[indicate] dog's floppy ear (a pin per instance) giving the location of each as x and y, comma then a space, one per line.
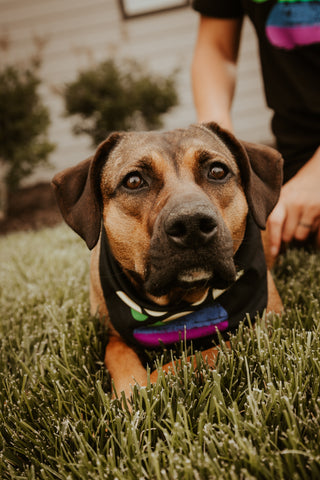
264, 180
78, 193
261, 173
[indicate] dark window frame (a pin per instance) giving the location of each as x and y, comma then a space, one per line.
156, 8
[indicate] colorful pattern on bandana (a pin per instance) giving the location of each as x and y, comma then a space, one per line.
293, 23
184, 325
199, 324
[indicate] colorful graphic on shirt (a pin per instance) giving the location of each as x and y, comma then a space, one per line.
293, 23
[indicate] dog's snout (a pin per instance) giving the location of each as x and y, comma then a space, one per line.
190, 229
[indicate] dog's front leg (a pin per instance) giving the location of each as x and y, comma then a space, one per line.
209, 356
124, 366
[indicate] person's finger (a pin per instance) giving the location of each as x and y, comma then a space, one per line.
290, 224
275, 227
303, 229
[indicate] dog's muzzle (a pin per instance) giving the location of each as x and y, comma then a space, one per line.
191, 245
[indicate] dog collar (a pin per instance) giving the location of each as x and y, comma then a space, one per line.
144, 323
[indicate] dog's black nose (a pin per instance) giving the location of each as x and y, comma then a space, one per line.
190, 229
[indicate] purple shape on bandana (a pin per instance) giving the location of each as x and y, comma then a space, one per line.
153, 338
198, 324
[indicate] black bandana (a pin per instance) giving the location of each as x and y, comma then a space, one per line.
142, 322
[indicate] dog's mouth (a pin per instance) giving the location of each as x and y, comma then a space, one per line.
192, 279
215, 272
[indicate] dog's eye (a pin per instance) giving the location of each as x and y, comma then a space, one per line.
133, 181
218, 171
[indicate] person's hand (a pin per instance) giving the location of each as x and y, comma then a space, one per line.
297, 213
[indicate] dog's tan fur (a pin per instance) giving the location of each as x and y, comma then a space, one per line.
129, 224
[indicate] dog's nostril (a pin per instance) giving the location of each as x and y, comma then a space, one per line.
207, 225
177, 229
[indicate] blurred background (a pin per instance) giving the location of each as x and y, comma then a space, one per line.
61, 39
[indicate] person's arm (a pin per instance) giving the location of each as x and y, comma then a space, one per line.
214, 69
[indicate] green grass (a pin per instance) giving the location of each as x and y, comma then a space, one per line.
256, 416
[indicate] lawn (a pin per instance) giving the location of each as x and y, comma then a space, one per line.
256, 416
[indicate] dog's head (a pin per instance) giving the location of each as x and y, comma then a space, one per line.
174, 204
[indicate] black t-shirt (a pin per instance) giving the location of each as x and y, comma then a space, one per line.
289, 42
141, 322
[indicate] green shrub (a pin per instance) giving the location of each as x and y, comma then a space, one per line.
109, 97
24, 122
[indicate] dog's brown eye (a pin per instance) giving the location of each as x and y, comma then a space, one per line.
218, 171
133, 181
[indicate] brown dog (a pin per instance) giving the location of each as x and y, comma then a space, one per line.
174, 222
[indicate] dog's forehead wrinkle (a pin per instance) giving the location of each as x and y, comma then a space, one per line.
215, 146
201, 152
157, 157
145, 142
208, 137
171, 144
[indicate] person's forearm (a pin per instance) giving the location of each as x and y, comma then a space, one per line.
213, 81
214, 72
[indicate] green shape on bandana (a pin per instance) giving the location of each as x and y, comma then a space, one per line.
140, 317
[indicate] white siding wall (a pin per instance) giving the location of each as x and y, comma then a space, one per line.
78, 34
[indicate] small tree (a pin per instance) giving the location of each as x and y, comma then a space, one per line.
109, 97
24, 122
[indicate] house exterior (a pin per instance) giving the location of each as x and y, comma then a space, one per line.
75, 35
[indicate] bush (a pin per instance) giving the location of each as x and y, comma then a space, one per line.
24, 122
109, 97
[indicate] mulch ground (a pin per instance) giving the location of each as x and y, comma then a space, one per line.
31, 208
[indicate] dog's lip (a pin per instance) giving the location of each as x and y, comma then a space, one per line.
194, 275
